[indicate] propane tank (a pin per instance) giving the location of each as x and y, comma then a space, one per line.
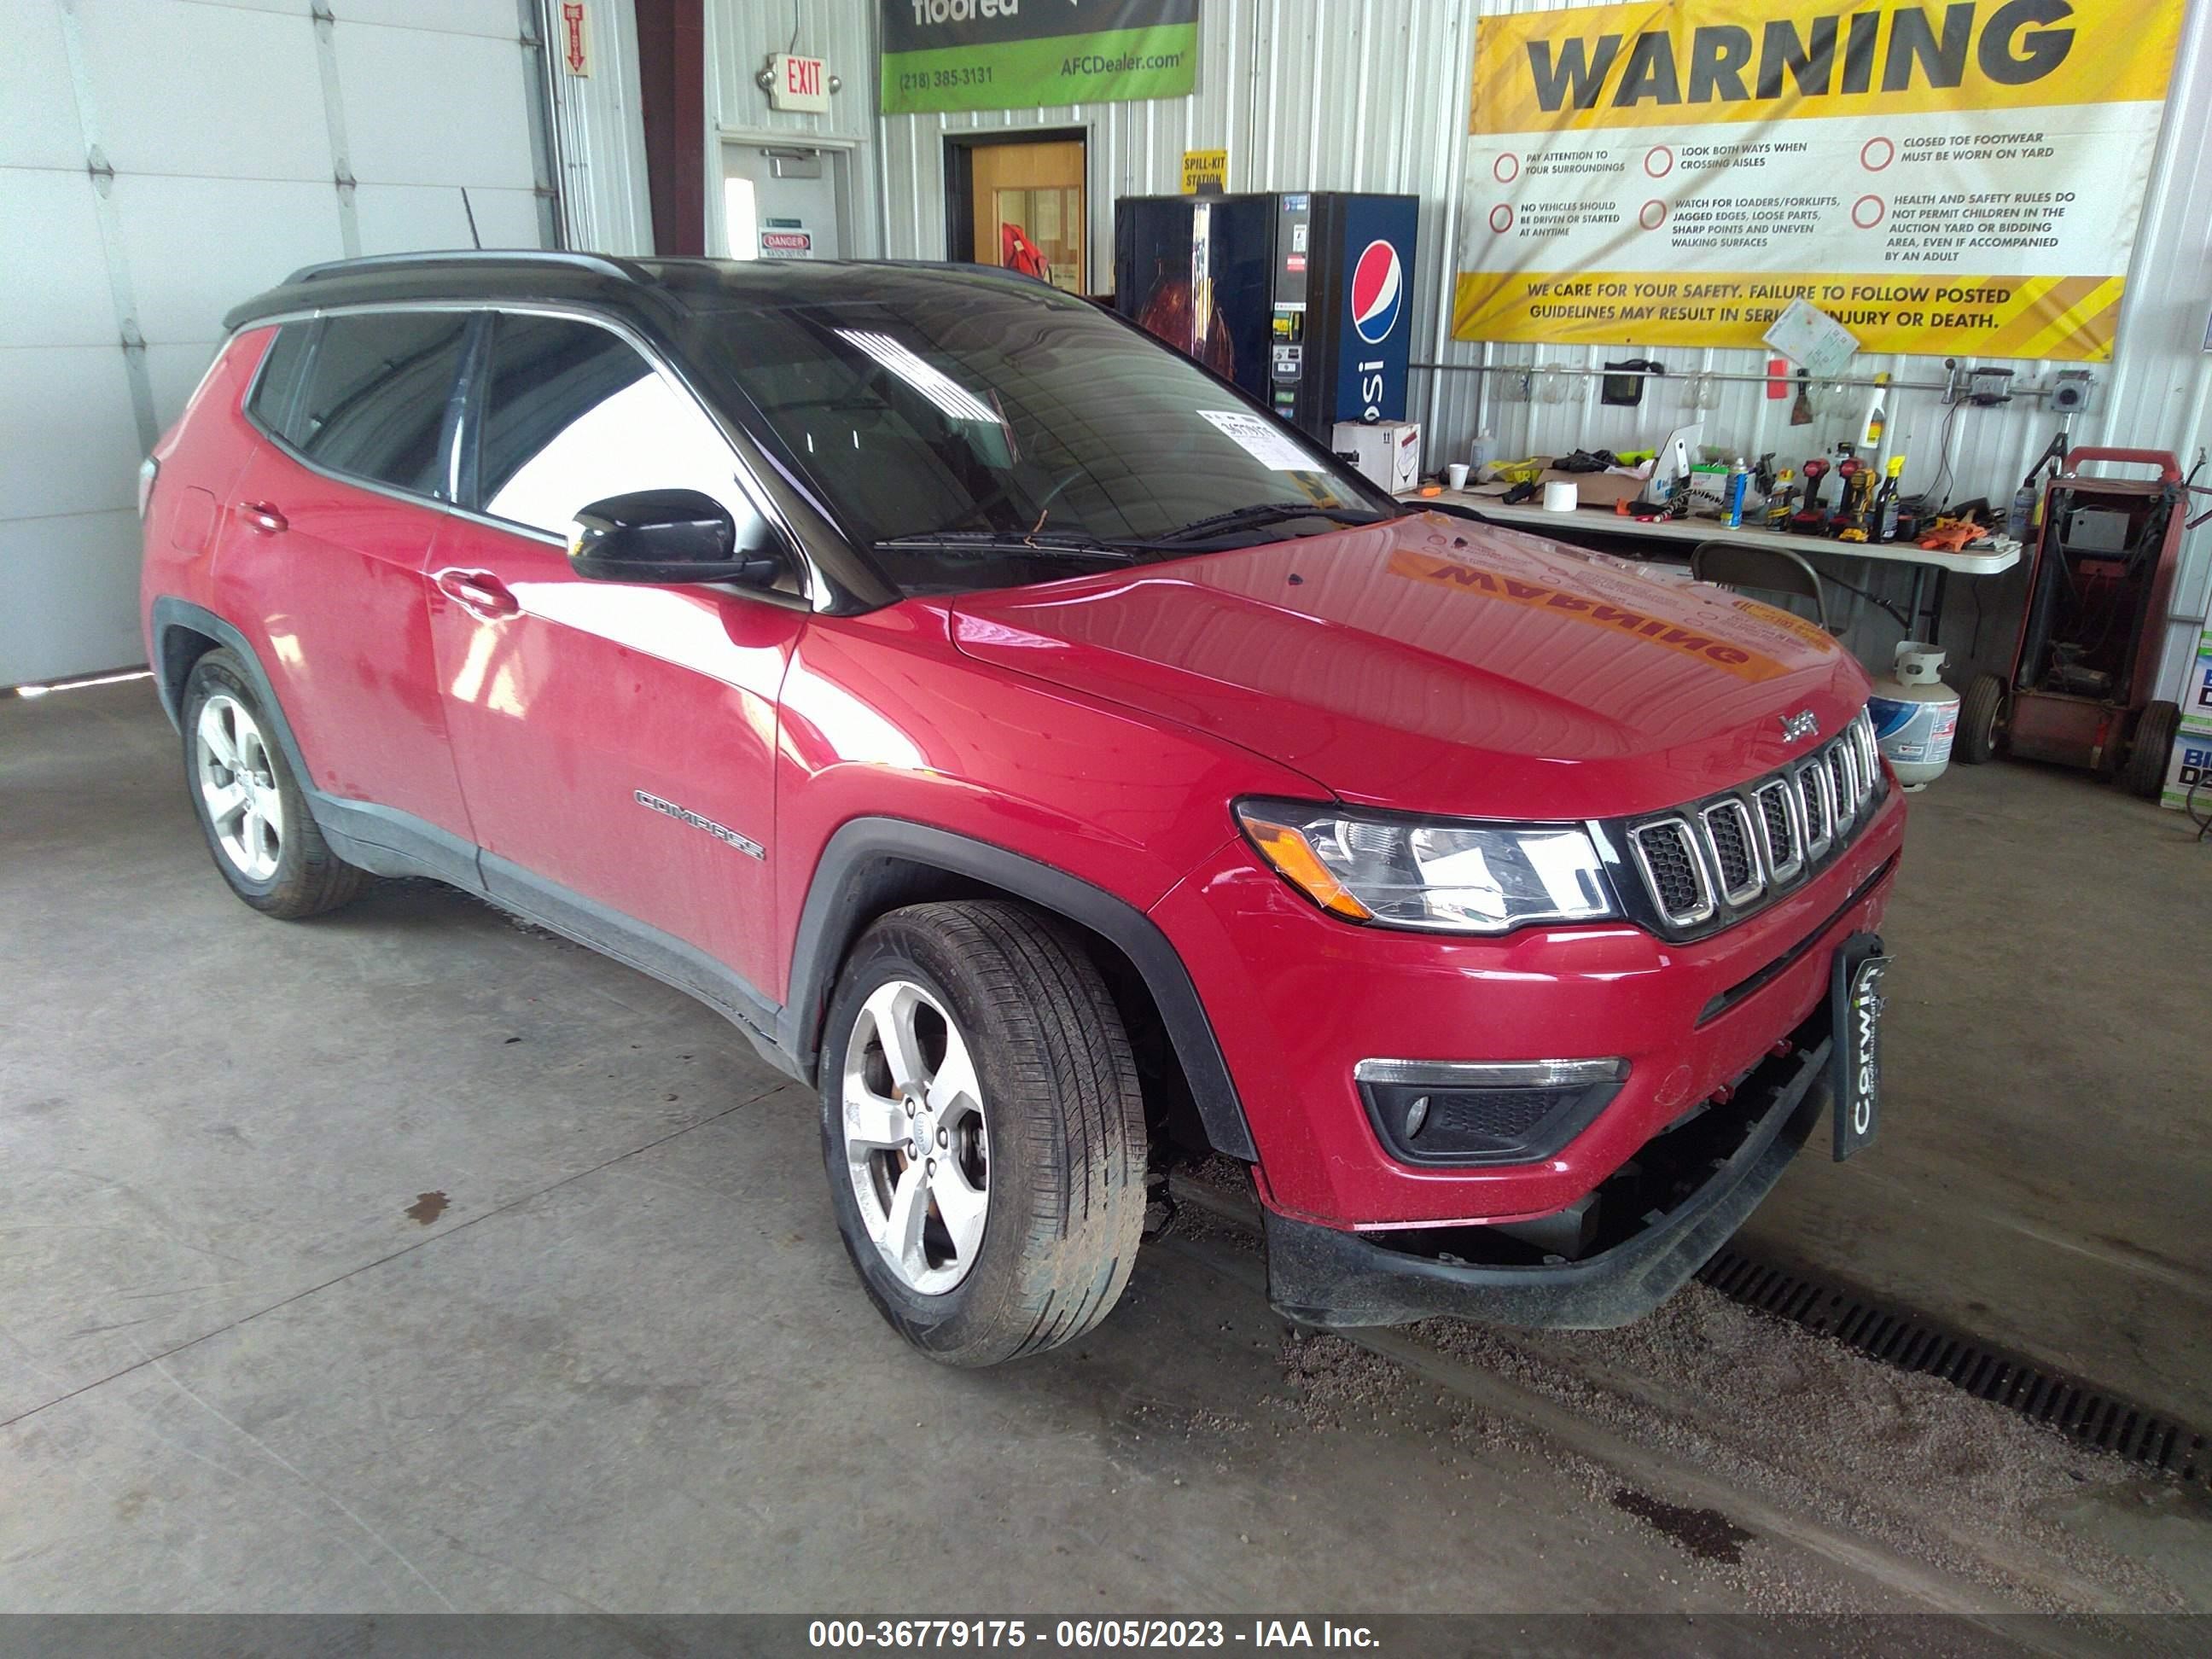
1915, 715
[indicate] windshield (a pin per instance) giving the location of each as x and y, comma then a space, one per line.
984, 435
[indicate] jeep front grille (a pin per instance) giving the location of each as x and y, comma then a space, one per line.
1718, 859
1674, 868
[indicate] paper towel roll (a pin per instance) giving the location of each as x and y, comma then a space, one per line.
1559, 495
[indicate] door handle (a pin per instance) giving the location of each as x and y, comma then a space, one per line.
479, 592
265, 518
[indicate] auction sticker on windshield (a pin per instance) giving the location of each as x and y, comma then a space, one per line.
1261, 438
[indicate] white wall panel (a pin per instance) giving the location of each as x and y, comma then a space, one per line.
492, 18
397, 216
182, 88
178, 160
166, 223
40, 131
424, 107
56, 281
67, 444
72, 593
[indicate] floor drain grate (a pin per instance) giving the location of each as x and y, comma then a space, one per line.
1912, 1343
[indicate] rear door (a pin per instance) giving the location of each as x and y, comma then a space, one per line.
616, 743
328, 530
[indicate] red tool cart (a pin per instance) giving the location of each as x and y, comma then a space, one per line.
2085, 666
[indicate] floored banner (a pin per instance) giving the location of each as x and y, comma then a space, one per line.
1028, 54
1946, 178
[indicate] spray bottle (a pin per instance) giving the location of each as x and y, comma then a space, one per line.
1876, 422
1885, 502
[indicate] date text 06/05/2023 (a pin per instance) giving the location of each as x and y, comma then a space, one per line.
1086, 1635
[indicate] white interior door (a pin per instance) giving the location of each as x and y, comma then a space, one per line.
782, 203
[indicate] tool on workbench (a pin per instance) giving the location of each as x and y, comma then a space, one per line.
1848, 520
1886, 512
1812, 519
1781, 499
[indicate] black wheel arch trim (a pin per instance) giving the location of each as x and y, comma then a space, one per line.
837, 907
172, 615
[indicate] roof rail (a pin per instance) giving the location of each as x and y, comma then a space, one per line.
462, 255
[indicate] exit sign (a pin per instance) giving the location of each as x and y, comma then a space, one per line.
798, 83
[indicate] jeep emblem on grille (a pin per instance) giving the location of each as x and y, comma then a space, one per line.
1802, 724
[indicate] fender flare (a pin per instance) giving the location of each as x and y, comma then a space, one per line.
838, 898
170, 614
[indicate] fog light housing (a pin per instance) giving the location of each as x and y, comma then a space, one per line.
1477, 1112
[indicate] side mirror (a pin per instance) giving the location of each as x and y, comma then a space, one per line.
669, 536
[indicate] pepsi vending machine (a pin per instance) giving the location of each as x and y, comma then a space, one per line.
1304, 298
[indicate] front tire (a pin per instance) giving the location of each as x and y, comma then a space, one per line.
983, 1130
1981, 713
2144, 775
251, 808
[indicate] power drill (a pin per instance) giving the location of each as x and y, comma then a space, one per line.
1810, 518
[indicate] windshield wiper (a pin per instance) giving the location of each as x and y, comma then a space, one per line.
1262, 513
1051, 544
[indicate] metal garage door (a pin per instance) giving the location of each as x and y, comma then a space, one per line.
160, 159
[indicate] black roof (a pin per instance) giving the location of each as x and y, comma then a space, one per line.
686, 285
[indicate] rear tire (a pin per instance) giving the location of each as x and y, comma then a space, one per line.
251, 808
1981, 711
983, 1130
2144, 775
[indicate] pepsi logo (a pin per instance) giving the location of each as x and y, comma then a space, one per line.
1378, 292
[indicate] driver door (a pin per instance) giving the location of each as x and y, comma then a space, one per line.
616, 742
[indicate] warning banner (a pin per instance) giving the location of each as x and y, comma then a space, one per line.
1942, 179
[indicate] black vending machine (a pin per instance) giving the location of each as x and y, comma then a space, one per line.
1304, 298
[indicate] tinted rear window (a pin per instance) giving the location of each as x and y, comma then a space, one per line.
376, 398
275, 401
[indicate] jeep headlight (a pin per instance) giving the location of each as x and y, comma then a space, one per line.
1444, 875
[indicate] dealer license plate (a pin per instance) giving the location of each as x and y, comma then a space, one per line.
1859, 969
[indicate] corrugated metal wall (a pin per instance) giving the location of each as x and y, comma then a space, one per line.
599, 132
1372, 94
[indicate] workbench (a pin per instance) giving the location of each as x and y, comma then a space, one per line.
1616, 532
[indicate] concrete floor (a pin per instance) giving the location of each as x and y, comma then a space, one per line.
2041, 1179
409, 1260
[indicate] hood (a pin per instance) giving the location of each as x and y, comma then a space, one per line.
1438, 664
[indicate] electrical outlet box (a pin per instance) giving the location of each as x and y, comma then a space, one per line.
1989, 385
2069, 391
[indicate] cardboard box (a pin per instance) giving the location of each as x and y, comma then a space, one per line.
2196, 696
1387, 453
2191, 765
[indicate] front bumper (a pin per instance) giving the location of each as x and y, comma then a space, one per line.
1326, 1276
1297, 999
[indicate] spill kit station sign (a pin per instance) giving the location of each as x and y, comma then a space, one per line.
1944, 178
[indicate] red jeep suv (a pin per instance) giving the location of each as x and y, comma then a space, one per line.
1027, 741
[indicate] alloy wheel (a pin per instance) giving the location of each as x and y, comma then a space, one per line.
237, 781
916, 1145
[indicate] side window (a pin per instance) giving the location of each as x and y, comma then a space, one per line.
573, 414
378, 388
275, 401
